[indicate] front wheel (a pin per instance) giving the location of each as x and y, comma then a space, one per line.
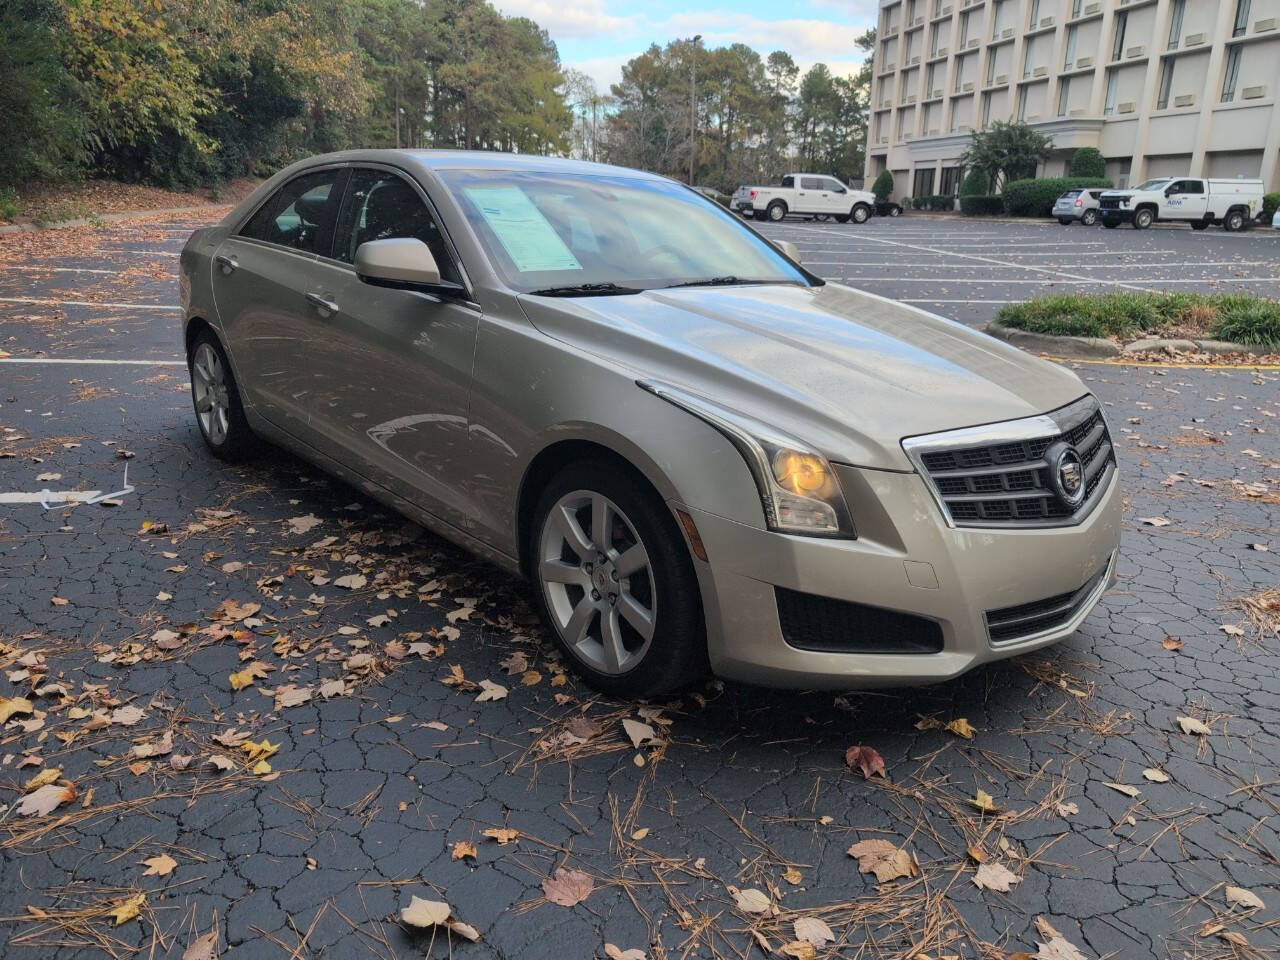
861, 213
1234, 222
1089, 218
616, 583
1143, 219
219, 409
1111, 224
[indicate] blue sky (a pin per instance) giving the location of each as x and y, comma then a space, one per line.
598, 36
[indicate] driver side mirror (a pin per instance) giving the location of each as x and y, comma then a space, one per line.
404, 262
788, 249
1171, 191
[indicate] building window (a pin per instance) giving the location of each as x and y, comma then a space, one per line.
1166, 83
1035, 13
1113, 86
1122, 23
1175, 23
929, 73
991, 68
950, 181
1064, 96
1233, 73
1071, 47
1027, 53
986, 110
937, 35
964, 28
1242, 18
923, 185
1022, 103
1075, 8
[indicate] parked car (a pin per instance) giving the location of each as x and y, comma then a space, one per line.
887, 208
805, 194
703, 455
1275, 220
711, 193
1078, 206
1232, 203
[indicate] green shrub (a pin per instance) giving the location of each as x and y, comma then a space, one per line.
981, 206
907, 203
1035, 198
1088, 162
976, 183
1238, 318
920, 203
883, 186
1270, 204
942, 201
8, 204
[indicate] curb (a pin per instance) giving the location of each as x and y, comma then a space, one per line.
1096, 347
110, 218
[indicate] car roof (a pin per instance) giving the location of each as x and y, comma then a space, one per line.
438, 160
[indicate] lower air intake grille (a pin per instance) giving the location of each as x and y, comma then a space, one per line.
838, 626
1010, 624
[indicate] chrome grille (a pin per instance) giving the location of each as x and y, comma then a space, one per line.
997, 475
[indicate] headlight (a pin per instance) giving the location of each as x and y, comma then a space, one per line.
798, 489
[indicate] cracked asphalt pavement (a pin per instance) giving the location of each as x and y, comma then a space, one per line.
389, 761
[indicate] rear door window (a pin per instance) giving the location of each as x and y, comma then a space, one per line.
811, 183
302, 214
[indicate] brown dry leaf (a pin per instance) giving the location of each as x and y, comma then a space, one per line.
978, 854
640, 733
291, 696
463, 848
260, 751
42, 802
333, 688
1171, 643
792, 876
1058, 948
491, 691
751, 900
516, 663
567, 887
985, 802
304, 523
58, 601
503, 835
1232, 937
961, 728
1244, 898
1190, 725
866, 759
638, 835
1068, 809
886, 861
581, 729
530, 678
1124, 788
1231, 630
995, 876
127, 910
204, 948
1155, 775
14, 705
814, 931
352, 581
426, 913
798, 950
44, 777
456, 679
616, 953
160, 866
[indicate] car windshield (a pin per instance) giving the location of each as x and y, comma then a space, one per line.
605, 235
1154, 184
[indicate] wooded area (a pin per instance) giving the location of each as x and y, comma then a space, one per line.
186, 92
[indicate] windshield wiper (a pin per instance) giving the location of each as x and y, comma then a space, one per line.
605, 289
729, 281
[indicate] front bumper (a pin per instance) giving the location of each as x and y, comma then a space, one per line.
1117, 216
905, 559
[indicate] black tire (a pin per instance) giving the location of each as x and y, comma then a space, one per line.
1065, 221
1143, 219
235, 442
1110, 224
895, 211
1199, 225
1089, 218
676, 654
1233, 222
776, 211
842, 218
860, 213
758, 214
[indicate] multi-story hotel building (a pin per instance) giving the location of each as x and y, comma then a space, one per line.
1161, 87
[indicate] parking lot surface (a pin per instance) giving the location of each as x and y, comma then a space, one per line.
262, 676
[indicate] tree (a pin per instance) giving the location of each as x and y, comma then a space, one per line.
1007, 151
976, 183
883, 186
1088, 162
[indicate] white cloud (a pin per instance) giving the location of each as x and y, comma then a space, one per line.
568, 18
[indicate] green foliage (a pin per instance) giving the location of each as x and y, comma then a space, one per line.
1253, 321
940, 201
1270, 204
8, 203
977, 205
883, 186
1088, 162
1007, 151
43, 126
1035, 198
976, 183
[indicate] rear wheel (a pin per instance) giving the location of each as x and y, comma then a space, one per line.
860, 213
895, 211
616, 583
1065, 221
1234, 222
842, 218
1143, 219
1110, 224
777, 210
1089, 217
219, 410
1199, 225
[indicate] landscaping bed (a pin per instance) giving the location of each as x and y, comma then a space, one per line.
46, 203
1134, 322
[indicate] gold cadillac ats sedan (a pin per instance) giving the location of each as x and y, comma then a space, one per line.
704, 456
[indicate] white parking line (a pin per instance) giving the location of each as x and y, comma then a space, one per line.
979, 302
35, 301
39, 269
92, 362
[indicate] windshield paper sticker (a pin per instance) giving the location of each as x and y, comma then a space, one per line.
530, 241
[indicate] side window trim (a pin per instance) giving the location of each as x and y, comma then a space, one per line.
422, 195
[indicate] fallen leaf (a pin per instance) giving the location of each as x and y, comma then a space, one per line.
866, 759
567, 887
1170, 643
426, 913
516, 663
1155, 775
14, 705
798, 950
304, 523
463, 848
260, 751
640, 733
884, 859
1068, 809
333, 688
995, 876
961, 728
984, 802
1058, 948
127, 910
1124, 788
1231, 630
616, 953
1190, 725
751, 900
503, 835
1244, 898
204, 948
1155, 521
58, 601
160, 866
43, 778
42, 802
814, 931
127, 716
291, 696
792, 876
352, 581
491, 691
638, 835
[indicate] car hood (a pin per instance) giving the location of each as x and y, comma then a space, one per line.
847, 371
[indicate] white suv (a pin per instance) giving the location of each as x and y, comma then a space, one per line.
1231, 203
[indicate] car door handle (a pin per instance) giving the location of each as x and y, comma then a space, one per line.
326, 306
228, 264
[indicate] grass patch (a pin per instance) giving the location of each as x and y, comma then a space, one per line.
1254, 321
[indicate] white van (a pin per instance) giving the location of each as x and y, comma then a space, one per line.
1232, 203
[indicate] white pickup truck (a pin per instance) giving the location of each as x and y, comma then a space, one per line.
1199, 202
805, 195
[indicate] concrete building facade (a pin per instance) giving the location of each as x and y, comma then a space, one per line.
1161, 87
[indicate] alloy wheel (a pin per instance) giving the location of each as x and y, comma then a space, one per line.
595, 574
212, 398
